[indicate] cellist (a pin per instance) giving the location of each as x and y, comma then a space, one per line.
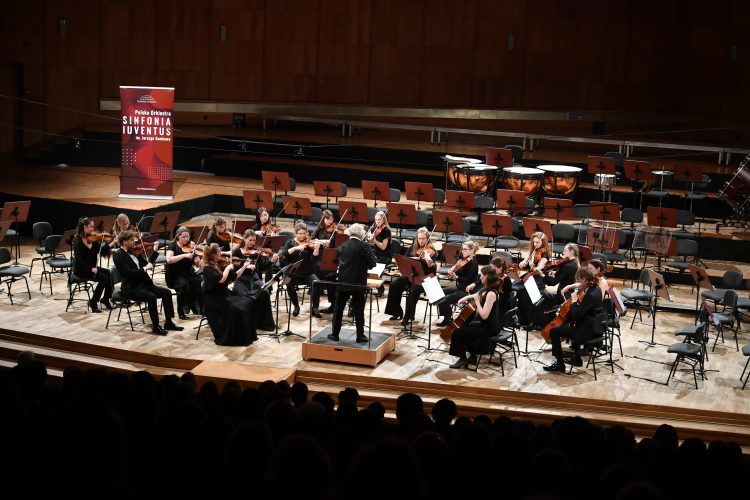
586, 305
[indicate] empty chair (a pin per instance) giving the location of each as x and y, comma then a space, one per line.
582, 212
690, 352
40, 231
395, 195
458, 238
658, 195
11, 274
729, 316
639, 298
633, 216
562, 234
684, 218
746, 353
509, 242
59, 264
277, 200
685, 248
619, 162
729, 281
144, 225
617, 257
516, 150
481, 204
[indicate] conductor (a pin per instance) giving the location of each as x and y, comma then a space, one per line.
355, 258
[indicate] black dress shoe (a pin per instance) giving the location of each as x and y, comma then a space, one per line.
575, 361
404, 322
159, 330
94, 307
295, 313
556, 367
316, 313
328, 310
473, 360
396, 318
447, 321
333, 337
361, 339
182, 316
380, 292
461, 363
106, 303
171, 326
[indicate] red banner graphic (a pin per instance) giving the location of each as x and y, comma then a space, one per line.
146, 163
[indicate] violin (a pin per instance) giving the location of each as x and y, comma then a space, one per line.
427, 250
335, 228
564, 315
226, 260
227, 235
461, 263
269, 229
468, 311
196, 250
141, 247
310, 243
555, 264
94, 237
262, 252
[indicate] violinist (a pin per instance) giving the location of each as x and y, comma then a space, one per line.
229, 314
421, 249
560, 277
249, 284
487, 303
302, 248
501, 268
218, 228
586, 305
326, 229
464, 272
380, 237
180, 273
263, 225
86, 248
539, 254
137, 284
598, 267
122, 222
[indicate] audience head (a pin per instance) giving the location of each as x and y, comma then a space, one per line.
298, 394
444, 411
407, 405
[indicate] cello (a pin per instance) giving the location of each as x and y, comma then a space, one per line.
564, 315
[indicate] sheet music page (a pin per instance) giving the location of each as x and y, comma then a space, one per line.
533, 290
433, 289
378, 269
622, 310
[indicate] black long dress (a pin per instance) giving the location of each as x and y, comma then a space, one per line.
399, 286
182, 278
85, 259
229, 315
465, 338
249, 285
383, 256
224, 246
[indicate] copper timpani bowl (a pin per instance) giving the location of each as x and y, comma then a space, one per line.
525, 179
560, 180
477, 178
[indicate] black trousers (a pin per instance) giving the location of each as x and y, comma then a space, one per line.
452, 295
358, 307
575, 334
396, 289
307, 280
149, 295
103, 289
190, 294
464, 339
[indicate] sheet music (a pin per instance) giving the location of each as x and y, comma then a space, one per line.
533, 290
378, 269
622, 309
433, 289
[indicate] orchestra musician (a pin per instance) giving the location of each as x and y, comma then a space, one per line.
217, 228
501, 268
180, 273
303, 248
355, 258
262, 220
326, 231
539, 254
465, 273
598, 267
86, 255
560, 277
586, 305
229, 315
421, 249
122, 222
137, 284
380, 238
249, 284
487, 304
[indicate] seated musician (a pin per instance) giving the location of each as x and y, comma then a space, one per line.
501, 268
180, 274
301, 248
137, 284
380, 238
487, 304
539, 254
219, 228
122, 222
598, 267
249, 283
586, 305
561, 277
465, 273
263, 225
422, 250
86, 257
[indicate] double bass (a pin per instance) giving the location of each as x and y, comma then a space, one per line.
564, 315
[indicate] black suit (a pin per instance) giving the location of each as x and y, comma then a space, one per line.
355, 258
584, 314
138, 286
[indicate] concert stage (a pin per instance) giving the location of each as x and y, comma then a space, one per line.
347, 350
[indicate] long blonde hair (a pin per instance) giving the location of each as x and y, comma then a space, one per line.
116, 228
545, 243
209, 257
574, 248
415, 248
385, 219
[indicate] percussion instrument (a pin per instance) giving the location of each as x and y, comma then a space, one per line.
604, 180
560, 181
477, 178
451, 162
525, 179
736, 191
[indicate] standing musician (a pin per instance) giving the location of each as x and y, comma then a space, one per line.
263, 225
380, 237
249, 283
218, 228
487, 304
465, 273
304, 249
562, 277
229, 315
421, 249
87, 249
598, 268
180, 273
137, 284
586, 305
539, 254
355, 258
501, 268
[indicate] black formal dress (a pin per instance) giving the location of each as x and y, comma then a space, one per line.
182, 278
305, 274
321, 234
138, 286
229, 315
355, 258
86, 259
523, 296
249, 285
224, 246
583, 328
384, 256
269, 269
401, 284
565, 275
466, 276
465, 338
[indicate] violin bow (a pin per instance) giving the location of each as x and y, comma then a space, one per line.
429, 236
373, 224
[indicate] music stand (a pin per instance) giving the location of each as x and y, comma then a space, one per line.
498, 157
413, 271
459, 200
603, 166
17, 211
420, 191
507, 198
288, 273
278, 181
666, 217
603, 237
298, 205
699, 276
531, 226
355, 210
444, 220
687, 173
66, 242
4, 226
400, 214
374, 190
241, 226
584, 254
340, 239
328, 189
602, 211
499, 225
254, 199
637, 171
659, 289
104, 224
164, 222
563, 208
273, 242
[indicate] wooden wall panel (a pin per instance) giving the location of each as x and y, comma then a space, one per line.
291, 48
396, 52
183, 29
736, 103
344, 51
498, 71
237, 63
22, 32
448, 59
11, 135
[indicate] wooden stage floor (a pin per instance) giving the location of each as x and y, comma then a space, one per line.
45, 315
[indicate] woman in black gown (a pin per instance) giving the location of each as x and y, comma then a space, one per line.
181, 276
249, 284
298, 249
464, 276
264, 227
229, 315
86, 255
380, 237
219, 227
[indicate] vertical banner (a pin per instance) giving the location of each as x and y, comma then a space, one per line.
146, 142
